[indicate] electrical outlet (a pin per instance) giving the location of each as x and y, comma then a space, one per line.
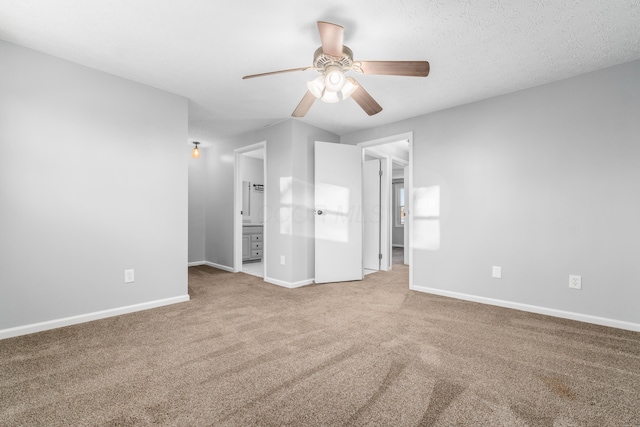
575, 282
496, 272
281, 259
129, 276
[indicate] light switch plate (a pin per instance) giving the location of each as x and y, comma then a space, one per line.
496, 272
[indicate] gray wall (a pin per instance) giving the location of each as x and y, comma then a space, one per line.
279, 195
93, 181
219, 164
197, 197
289, 193
544, 183
218, 202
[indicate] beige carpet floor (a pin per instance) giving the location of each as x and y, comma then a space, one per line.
244, 352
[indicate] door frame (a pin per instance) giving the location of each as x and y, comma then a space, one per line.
408, 187
379, 226
385, 237
387, 217
237, 206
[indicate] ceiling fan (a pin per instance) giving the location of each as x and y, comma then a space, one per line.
332, 60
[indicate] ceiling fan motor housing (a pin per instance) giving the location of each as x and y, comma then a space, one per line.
321, 60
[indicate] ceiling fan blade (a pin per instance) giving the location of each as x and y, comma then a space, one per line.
307, 101
331, 36
396, 68
366, 101
251, 76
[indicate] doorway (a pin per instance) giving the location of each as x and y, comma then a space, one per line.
250, 244
399, 209
374, 208
393, 238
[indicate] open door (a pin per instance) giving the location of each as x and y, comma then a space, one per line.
371, 208
407, 225
338, 212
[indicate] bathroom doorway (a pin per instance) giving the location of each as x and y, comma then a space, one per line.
250, 209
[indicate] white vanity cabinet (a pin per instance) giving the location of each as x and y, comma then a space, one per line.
251, 243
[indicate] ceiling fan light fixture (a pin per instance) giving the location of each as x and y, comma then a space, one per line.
334, 78
349, 87
330, 96
316, 86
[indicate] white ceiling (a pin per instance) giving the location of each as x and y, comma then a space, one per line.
200, 49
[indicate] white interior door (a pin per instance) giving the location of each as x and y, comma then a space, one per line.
338, 212
371, 214
385, 214
407, 197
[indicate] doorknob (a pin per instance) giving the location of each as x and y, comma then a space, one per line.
318, 212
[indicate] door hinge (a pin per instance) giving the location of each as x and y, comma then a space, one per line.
380, 173
379, 256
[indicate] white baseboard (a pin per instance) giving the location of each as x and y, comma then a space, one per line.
212, 264
289, 285
82, 318
613, 323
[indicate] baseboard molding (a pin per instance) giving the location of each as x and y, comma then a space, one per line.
290, 285
603, 321
82, 318
212, 264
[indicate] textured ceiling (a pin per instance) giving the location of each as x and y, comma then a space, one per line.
201, 48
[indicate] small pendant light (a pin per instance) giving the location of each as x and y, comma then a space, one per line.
195, 153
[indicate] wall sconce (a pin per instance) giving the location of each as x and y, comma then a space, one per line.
195, 153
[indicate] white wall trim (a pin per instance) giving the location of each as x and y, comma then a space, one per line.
288, 284
220, 266
88, 317
603, 321
212, 264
